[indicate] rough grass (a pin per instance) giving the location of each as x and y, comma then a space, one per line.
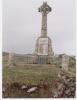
30, 74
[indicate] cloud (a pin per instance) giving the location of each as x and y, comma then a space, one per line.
22, 25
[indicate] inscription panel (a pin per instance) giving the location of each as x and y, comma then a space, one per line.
43, 46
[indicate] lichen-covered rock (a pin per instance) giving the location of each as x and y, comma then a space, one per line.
65, 88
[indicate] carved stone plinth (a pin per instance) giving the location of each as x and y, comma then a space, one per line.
44, 46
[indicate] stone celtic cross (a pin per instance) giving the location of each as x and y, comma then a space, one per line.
44, 9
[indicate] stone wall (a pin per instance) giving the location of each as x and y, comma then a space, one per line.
19, 59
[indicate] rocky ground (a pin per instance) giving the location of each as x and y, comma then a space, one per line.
63, 87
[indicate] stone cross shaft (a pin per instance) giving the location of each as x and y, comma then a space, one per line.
44, 9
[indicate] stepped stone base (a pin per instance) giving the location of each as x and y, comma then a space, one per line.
43, 50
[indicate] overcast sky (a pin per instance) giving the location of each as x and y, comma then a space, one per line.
22, 25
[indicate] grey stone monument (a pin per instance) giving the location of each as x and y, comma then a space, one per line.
44, 44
